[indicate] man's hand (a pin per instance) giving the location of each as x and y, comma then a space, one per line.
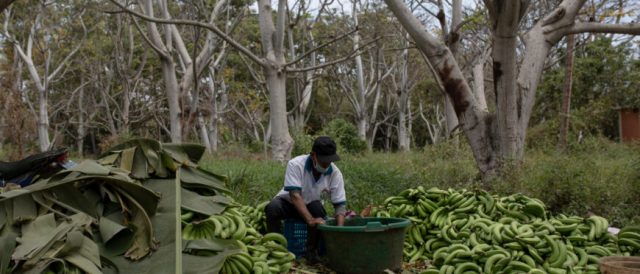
315, 221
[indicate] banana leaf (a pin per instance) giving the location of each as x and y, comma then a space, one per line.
134, 226
201, 204
163, 259
201, 179
193, 264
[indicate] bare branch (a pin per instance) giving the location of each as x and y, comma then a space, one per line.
146, 39
320, 46
337, 61
580, 27
210, 27
73, 52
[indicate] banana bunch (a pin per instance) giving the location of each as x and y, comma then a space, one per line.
467, 231
225, 226
238, 263
270, 255
629, 239
266, 255
254, 216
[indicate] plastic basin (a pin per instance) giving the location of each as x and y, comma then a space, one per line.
365, 245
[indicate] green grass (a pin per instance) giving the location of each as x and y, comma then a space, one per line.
597, 176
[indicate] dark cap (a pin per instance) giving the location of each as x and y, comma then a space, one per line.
325, 149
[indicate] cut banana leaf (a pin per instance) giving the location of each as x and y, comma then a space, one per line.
71, 198
126, 158
208, 264
184, 153
24, 209
116, 238
153, 144
90, 167
7, 245
162, 260
200, 178
139, 170
201, 204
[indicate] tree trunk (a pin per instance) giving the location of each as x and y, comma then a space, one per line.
504, 69
363, 119
566, 99
281, 141
475, 122
173, 97
451, 117
272, 38
43, 121
478, 84
204, 133
403, 90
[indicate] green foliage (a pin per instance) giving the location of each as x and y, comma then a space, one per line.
345, 135
302, 145
255, 146
604, 78
596, 176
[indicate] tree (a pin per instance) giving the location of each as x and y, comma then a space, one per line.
273, 62
42, 68
496, 138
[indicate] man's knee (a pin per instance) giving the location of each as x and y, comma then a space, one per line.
273, 209
316, 209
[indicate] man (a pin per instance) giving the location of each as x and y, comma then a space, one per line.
306, 179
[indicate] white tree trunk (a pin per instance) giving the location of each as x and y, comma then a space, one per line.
272, 37
173, 97
478, 84
450, 117
281, 141
363, 119
204, 133
403, 101
43, 121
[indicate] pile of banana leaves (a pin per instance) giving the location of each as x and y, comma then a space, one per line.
118, 214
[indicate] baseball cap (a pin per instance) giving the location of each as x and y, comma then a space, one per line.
325, 149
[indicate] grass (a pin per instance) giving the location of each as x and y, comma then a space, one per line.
595, 177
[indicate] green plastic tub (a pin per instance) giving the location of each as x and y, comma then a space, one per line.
365, 245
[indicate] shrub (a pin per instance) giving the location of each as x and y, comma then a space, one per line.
345, 135
302, 145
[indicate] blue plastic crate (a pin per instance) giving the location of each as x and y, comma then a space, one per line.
295, 231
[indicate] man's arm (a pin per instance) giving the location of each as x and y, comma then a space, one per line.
298, 202
340, 219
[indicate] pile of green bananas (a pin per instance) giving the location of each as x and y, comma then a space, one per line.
460, 231
270, 254
254, 216
629, 239
258, 253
